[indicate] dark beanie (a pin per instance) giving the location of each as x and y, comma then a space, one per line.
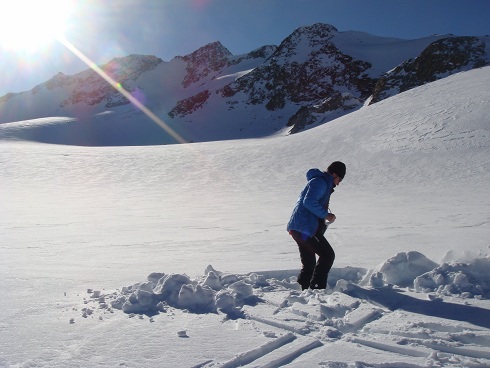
338, 168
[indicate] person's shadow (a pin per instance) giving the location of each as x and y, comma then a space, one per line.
394, 300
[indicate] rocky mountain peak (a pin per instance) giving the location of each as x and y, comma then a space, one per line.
204, 61
58, 81
130, 67
262, 52
320, 30
308, 71
122, 70
208, 52
305, 37
440, 59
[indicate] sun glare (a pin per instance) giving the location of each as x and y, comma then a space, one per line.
28, 25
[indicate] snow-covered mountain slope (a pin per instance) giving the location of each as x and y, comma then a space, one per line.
88, 230
434, 137
155, 83
314, 76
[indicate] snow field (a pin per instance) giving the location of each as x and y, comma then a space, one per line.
409, 286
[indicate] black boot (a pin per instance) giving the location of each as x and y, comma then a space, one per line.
319, 278
304, 279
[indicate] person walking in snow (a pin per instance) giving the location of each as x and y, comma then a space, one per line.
307, 225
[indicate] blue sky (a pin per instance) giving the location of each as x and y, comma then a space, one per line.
103, 29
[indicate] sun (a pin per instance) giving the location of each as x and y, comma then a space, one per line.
29, 25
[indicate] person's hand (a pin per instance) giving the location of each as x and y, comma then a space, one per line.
330, 217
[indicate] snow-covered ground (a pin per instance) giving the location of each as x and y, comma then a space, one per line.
177, 256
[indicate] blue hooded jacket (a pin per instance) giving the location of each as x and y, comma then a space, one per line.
312, 203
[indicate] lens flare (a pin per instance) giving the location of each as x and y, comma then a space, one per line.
26, 26
116, 85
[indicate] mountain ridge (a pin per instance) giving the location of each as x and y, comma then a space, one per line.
315, 75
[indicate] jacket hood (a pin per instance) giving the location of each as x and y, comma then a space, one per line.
313, 173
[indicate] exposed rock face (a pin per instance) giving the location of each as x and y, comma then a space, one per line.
190, 104
337, 104
441, 59
91, 88
208, 63
306, 70
205, 61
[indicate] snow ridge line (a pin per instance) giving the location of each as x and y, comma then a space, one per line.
254, 354
412, 351
360, 322
289, 357
201, 365
279, 325
477, 339
463, 351
389, 347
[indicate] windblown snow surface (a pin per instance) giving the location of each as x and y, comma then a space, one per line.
177, 256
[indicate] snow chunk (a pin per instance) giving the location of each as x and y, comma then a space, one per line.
170, 285
242, 289
400, 270
213, 281
214, 293
465, 279
198, 299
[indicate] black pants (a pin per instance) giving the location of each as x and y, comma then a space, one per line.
314, 273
